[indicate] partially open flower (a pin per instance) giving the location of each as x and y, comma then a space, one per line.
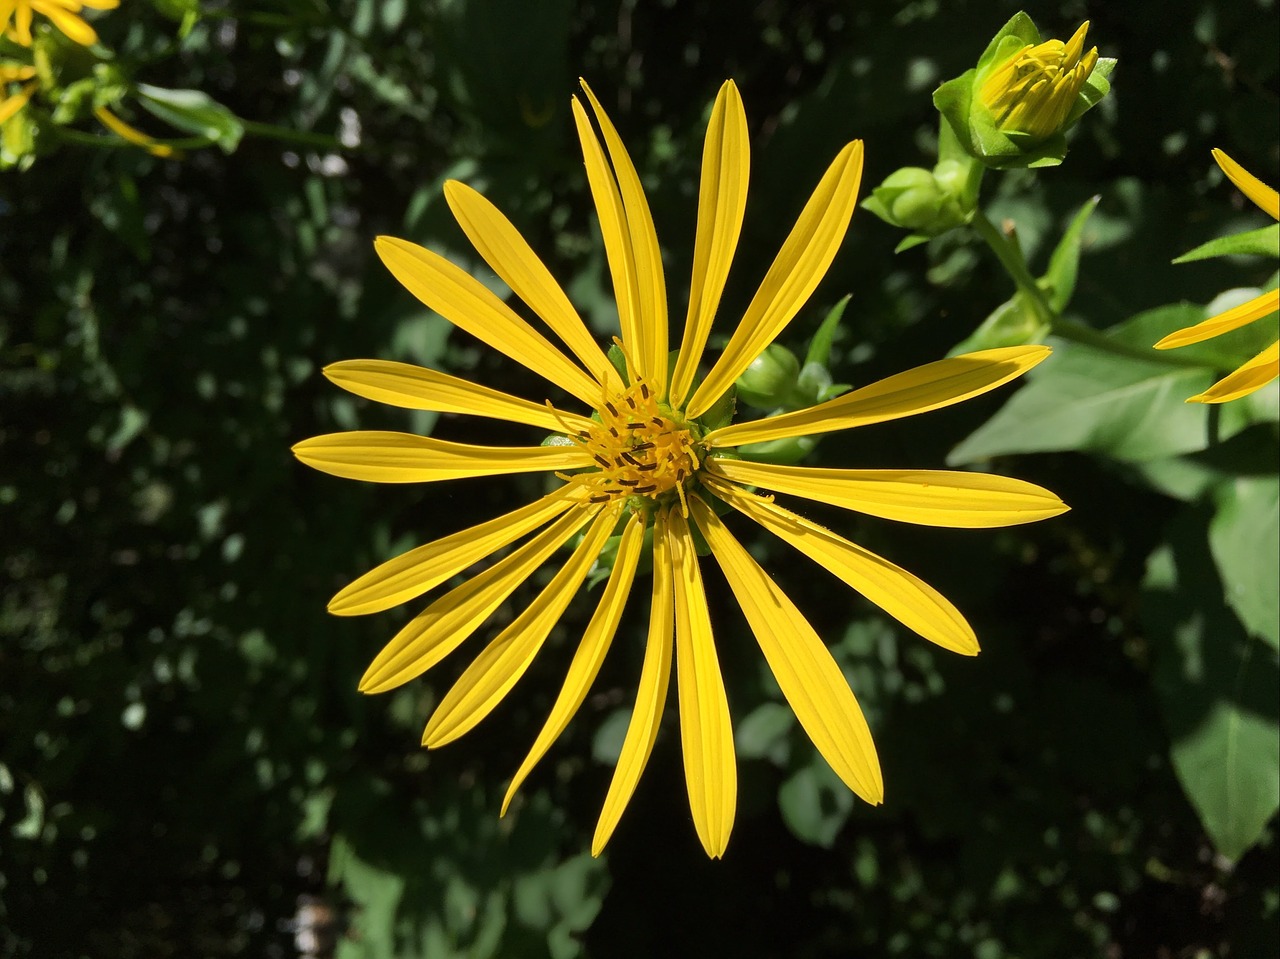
1014, 107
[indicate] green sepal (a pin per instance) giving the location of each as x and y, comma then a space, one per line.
785, 452
557, 439
619, 361
1261, 242
721, 412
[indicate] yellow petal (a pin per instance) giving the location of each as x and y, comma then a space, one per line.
617, 238
722, 198
1232, 319
22, 25
13, 104
807, 674
928, 497
907, 599
706, 734
1263, 196
133, 135
100, 4
591, 651
466, 303
440, 628
651, 287
66, 21
1250, 377
499, 667
795, 272
924, 388
380, 456
418, 388
11, 72
651, 695
411, 574
504, 249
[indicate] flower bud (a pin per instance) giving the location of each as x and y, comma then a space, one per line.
926, 203
1025, 93
770, 380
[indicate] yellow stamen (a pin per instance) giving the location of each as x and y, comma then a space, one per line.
641, 447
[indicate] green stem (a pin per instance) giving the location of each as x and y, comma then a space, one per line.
1010, 255
272, 132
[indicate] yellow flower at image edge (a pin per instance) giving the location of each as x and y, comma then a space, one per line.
647, 456
1265, 367
16, 17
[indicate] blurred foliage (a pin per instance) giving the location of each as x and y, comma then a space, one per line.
184, 761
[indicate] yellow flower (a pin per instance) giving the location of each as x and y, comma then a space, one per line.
647, 456
63, 14
1035, 89
1265, 367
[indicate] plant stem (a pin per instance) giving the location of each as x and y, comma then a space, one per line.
1009, 253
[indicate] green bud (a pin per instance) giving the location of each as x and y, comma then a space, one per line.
770, 380
926, 203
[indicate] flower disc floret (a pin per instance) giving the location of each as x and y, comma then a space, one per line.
642, 448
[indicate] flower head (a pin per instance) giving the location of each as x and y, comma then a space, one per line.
1014, 107
1257, 372
1034, 89
16, 17
654, 451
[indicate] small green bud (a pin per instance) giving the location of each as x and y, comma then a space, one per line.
924, 202
770, 380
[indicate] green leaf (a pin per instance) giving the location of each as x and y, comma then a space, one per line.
1262, 242
1124, 406
1064, 264
762, 734
1013, 323
195, 112
820, 346
1245, 539
376, 893
1217, 690
815, 804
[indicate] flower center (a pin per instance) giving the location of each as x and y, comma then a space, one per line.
643, 447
